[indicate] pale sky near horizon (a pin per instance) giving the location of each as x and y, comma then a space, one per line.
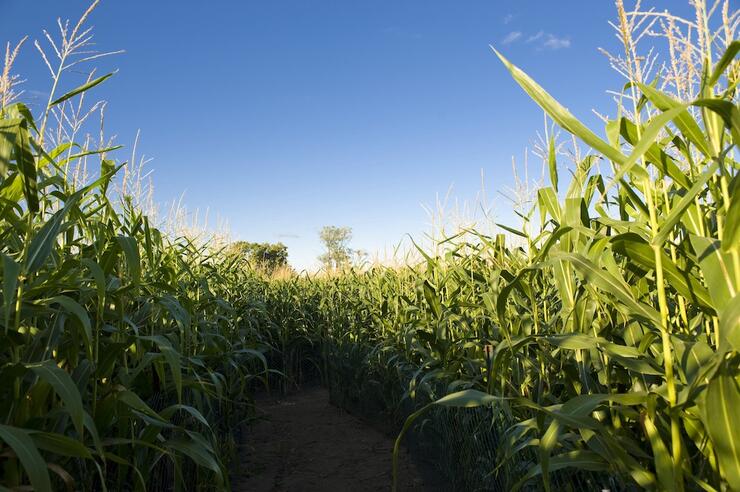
284, 116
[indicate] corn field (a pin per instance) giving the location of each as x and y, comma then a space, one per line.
601, 338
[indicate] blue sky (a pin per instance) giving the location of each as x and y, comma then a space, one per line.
284, 116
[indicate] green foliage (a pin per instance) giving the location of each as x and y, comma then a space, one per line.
613, 334
338, 254
267, 257
126, 357
607, 342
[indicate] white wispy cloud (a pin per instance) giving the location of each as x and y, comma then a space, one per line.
535, 37
511, 37
508, 18
541, 40
555, 43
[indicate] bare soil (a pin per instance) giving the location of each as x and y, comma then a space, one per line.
305, 444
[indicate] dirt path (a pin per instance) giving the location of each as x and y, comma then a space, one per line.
309, 445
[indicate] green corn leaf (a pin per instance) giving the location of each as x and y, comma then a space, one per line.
19, 111
647, 140
178, 313
721, 418
717, 268
655, 154
461, 399
8, 137
684, 121
635, 201
74, 308
670, 221
29, 456
726, 110
583, 460
51, 156
574, 341
199, 455
98, 276
731, 233
108, 164
432, 299
512, 230
612, 285
621, 350
11, 188
131, 251
552, 239
547, 444
575, 214
661, 456
574, 420
515, 283
81, 89
172, 357
43, 242
11, 270
107, 171
256, 354
640, 251
640, 365
467, 399
60, 444
168, 412
727, 57
133, 401
560, 114
612, 130
93, 432
64, 387
27, 167
693, 357
729, 323
548, 202
583, 405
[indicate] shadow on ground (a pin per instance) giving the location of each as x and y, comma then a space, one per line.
305, 444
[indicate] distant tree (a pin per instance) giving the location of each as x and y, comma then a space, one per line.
267, 257
360, 258
336, 240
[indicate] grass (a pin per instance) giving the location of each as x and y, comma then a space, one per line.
603, 334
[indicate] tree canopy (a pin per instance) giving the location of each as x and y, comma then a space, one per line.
267, 257
336, 240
